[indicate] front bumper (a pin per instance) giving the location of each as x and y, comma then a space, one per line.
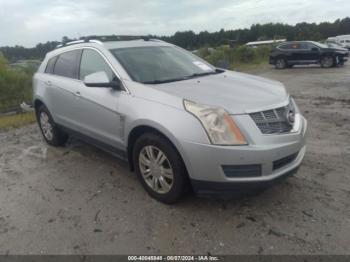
222, 189
205, 163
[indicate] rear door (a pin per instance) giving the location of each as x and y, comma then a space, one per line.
63, 70
96, 108
296, 52
291, 52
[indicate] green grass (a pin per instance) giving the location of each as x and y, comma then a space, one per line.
17, 120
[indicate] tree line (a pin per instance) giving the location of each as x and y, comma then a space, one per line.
191, 40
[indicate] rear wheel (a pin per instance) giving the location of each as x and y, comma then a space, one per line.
280, 63
160, 168
50, 131
327, 61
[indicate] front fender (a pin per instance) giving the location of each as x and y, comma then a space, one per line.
176, 124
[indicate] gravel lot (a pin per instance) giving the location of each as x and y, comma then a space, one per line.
79, 199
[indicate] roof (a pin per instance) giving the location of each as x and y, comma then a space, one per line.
107, 45
134, 43
342, 36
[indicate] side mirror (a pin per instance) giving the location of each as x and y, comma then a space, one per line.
100, 79
314, 49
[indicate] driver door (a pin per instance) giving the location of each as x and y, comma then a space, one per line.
97, 108
310, 52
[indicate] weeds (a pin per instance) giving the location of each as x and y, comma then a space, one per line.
16, 120
233, 58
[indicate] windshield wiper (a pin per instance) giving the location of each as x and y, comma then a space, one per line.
157, 81
217, 71
200, 74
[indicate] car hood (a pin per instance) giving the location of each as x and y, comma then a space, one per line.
238, 93
336, 49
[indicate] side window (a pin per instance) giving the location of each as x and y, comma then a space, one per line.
67, 64
296, 46
306, 46
289, 46
92, 62
50, 65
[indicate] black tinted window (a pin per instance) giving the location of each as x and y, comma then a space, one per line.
92, 62
306, 46
67, 64
290, 46
285, 47
50, 65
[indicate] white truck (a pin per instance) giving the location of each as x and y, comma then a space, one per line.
342, 40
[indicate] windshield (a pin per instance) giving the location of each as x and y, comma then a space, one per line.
160, 64
319, 44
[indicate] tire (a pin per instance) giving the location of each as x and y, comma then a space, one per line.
50, 131
327, 61
167, 182
280, 63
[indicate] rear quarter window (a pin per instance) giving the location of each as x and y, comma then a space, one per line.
50, 65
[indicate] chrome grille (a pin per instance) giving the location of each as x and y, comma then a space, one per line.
274, 121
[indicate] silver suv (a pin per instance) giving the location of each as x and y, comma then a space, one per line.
180, 122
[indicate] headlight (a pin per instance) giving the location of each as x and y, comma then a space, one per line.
218, 124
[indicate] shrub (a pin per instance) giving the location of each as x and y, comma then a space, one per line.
246, 54
234, 56
15, 84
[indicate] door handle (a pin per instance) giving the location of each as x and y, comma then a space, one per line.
48, 83
77, 93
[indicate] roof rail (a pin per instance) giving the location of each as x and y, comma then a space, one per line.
79, 42
108, 38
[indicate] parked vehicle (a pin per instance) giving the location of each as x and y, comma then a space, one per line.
180, 122
336, 46
342, 40
307, 52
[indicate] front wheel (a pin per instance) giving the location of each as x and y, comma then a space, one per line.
327, 61
160, 168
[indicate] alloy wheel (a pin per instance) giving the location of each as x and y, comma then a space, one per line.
327, 61
156, 169
46, 126
280, 63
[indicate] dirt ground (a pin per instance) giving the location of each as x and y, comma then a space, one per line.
79, 199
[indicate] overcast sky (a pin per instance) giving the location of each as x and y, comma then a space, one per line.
28, 22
